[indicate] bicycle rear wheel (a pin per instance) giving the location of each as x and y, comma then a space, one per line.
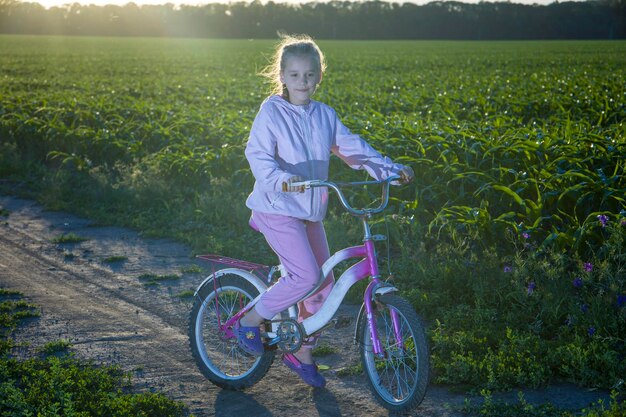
399, 378
217, 353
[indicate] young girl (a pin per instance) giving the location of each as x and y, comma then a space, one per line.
291, 140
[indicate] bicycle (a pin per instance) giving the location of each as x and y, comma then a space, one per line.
393, 345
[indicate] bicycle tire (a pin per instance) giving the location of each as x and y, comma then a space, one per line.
219, 358
398, 380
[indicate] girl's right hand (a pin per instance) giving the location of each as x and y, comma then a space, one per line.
406, 174
287, 187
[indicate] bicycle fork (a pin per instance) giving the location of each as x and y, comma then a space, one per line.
371, 291
377, 345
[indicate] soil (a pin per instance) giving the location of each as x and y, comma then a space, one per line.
112, 316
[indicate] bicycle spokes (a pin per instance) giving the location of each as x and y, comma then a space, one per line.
398, 361
226, 310
398, 375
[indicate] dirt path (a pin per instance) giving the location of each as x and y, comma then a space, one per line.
111, 316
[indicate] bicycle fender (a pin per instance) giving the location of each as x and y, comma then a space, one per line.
248, 276
381, 290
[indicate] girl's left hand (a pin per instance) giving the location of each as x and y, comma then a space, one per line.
406, 174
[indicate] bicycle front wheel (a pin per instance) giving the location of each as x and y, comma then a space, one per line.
215, 351
399, 377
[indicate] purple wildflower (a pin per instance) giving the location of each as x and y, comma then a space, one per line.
507, 269
526, 235
584, 308
588, 266
531, 287
621, 301
603, 219
578, 282
623, 222
591, 331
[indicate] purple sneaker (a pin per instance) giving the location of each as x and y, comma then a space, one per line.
308, 373
249, 339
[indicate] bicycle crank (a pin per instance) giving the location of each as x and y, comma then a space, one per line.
289, 336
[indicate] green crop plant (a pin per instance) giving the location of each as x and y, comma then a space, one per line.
518, 150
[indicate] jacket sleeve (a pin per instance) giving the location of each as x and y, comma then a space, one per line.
358, 154
261, 153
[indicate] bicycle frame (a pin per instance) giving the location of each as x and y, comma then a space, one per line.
366, 267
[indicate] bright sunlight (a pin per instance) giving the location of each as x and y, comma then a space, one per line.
61, 3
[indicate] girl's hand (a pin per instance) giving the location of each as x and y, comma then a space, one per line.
287, 187
406, 174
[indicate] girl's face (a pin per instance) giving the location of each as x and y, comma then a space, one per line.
301, 75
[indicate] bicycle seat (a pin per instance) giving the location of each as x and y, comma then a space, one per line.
253, 224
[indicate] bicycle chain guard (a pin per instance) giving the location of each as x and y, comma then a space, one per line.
291, 335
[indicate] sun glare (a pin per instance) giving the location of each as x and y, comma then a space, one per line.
64, 3
61, 3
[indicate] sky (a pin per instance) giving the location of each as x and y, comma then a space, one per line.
51, 3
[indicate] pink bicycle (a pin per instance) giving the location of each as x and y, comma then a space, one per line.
390, 335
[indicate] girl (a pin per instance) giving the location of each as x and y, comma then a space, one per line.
291, 140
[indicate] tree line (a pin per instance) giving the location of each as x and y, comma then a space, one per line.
595, 19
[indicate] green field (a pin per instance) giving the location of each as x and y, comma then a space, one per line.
509, 243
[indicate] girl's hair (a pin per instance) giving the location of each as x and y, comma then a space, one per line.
290, 45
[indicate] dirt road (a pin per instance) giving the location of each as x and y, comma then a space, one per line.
110, 315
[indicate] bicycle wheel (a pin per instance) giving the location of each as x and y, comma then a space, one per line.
399, 378
218, 356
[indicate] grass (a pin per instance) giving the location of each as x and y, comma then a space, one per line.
68, 238
493, 408
350, 370
13, 310
148, 276
192, 269
324, 350
150, 279
69, 256
114, 259
56, 346
57, 383
187, 294
518, 149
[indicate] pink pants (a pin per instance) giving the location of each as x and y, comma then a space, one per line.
302, 248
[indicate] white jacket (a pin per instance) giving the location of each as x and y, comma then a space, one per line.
287, 140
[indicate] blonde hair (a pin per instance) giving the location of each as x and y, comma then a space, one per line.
290, 45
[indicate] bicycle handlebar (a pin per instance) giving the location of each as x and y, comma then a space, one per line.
344, 201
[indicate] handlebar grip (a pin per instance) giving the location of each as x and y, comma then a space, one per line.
298, 186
